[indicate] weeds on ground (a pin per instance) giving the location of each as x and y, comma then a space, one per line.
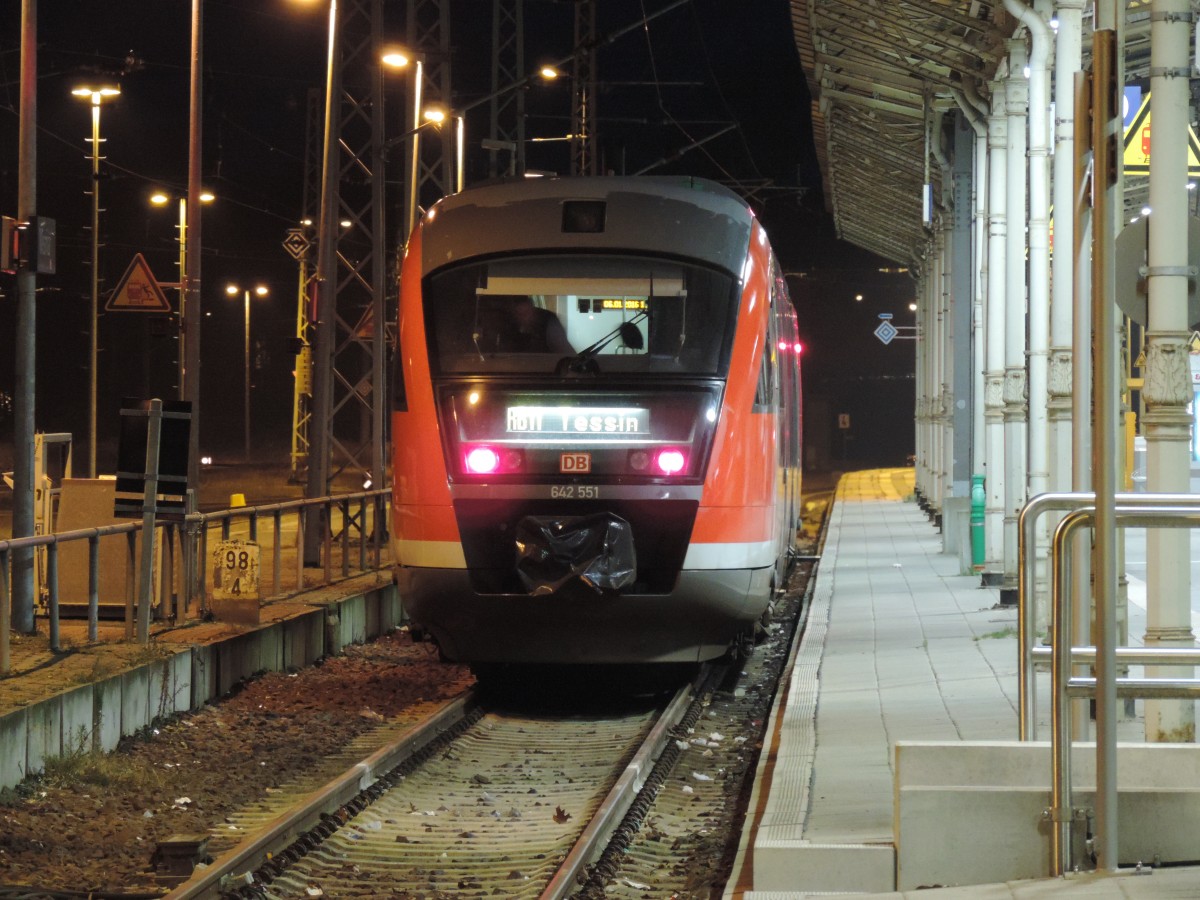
104, 667
100, 670
150, 653
83, 765
1008, 632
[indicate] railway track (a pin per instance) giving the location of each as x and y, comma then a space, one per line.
472, 802
488, 799
286, 760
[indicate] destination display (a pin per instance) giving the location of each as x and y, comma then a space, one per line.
577, 420
623, 304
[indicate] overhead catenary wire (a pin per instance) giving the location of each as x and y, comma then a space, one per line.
695, 144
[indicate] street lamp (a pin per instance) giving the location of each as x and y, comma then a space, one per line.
160, 198
96, 95
261, 291
435, 116
396, 58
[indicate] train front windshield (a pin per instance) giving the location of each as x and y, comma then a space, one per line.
593, 315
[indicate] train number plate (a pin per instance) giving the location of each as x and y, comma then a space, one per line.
574, 492
575, 463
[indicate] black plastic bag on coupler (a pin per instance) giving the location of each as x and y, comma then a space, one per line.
596, 549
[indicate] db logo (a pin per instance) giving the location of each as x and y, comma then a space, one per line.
575, 462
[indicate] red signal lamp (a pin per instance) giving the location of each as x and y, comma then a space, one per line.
482, 460
671, 461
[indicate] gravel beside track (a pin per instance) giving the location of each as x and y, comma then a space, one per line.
96, 825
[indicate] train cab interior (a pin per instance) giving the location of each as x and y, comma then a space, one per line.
625, 314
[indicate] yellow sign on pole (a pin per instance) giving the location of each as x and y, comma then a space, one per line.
1136, 155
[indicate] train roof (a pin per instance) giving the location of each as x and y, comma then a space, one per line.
689, 218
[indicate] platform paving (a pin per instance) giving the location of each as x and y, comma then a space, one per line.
899, 646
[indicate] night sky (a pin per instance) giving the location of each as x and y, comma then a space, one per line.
692, 72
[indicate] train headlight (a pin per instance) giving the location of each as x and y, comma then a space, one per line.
671, 461
482, 460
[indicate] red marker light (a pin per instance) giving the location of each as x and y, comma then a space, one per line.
671, 462
785, 346
483, 461
514, 460
799, 348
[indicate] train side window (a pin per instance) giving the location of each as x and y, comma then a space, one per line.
766, 394
399, 396
762, 393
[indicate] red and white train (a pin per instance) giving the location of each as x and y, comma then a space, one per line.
596, 423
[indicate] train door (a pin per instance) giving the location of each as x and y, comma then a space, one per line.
786, 344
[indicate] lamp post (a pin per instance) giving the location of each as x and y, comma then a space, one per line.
260, 291
160, 198
96, 95
396, 59
435, 116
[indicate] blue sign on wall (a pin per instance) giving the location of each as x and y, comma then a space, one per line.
1130, 104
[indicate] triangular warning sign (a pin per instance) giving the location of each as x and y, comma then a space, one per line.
138, 290
1136, 154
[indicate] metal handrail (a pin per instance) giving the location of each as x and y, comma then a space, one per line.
194, 536
1059, 501
51, 543
1154, 512
1130, 656
198, 525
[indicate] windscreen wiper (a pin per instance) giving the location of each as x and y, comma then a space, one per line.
584, 363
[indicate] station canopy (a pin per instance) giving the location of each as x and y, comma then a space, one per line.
876, 69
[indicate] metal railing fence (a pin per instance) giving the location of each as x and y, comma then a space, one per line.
340, 517
1131, 511
1061, 501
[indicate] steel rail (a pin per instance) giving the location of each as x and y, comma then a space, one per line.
614, 806
235, 869
251, 853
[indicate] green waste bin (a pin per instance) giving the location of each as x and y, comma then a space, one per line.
978, 502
